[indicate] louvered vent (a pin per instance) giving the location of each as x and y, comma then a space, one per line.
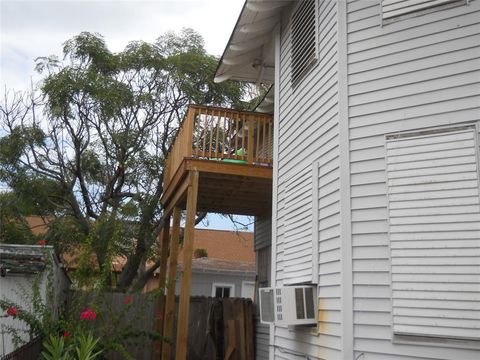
395, 8
304, 44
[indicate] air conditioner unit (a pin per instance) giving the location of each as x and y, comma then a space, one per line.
288, 305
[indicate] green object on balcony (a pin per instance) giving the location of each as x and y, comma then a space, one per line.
239, 152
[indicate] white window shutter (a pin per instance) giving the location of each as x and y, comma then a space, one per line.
300, 248
434, 213
394, 8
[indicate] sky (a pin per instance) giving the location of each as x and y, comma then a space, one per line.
35, 28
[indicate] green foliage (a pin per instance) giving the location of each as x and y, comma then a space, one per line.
200, 253
89, 150
82, 347
55, 349
86, 347
13, 227
71, 335
117, 327
66, 234
38, 195
20, 137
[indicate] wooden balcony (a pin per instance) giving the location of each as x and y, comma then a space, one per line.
220, 161
232, 152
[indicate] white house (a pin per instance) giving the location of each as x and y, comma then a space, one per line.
375, 172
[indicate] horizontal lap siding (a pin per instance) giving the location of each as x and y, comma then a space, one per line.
308, 139
262, 232
262, 240
262, 339
16, 288
415, 73
434, 227
298, 256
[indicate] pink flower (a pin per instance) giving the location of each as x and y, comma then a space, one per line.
42, 242
88, 314
66, 334
127, 300
12, 311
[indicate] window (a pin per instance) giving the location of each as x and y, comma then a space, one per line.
304, 38
223, 290
434, 215
395, 8
248, 289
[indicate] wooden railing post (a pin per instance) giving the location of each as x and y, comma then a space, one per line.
250, 145
167, 170
189, 132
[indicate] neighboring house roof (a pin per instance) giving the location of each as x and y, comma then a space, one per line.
210, 265
38, 224
227, 249
249, 55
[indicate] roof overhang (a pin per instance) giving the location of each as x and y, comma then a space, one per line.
250, 53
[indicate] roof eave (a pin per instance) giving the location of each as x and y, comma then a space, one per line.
248, 55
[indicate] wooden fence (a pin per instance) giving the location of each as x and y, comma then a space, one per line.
218, 328
29, 351
122, 315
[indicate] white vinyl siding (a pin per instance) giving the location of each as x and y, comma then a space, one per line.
307, 135
16, 288
395, 8
421, 72
434, 212
262, 232
299, 257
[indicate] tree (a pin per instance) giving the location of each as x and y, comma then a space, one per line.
13, 226
91, 143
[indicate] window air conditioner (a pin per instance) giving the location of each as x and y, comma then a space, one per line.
289, 305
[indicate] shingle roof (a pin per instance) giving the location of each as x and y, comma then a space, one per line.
220, 265
38, 224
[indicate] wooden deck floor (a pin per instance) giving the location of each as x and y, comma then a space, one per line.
228, 188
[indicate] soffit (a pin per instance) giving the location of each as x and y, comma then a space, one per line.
249, 55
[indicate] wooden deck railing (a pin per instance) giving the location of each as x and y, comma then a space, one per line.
219, 134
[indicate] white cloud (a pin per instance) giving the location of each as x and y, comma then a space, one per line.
33, 28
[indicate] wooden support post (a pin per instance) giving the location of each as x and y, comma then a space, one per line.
184, 305
160, 311
171, 280
250, 145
